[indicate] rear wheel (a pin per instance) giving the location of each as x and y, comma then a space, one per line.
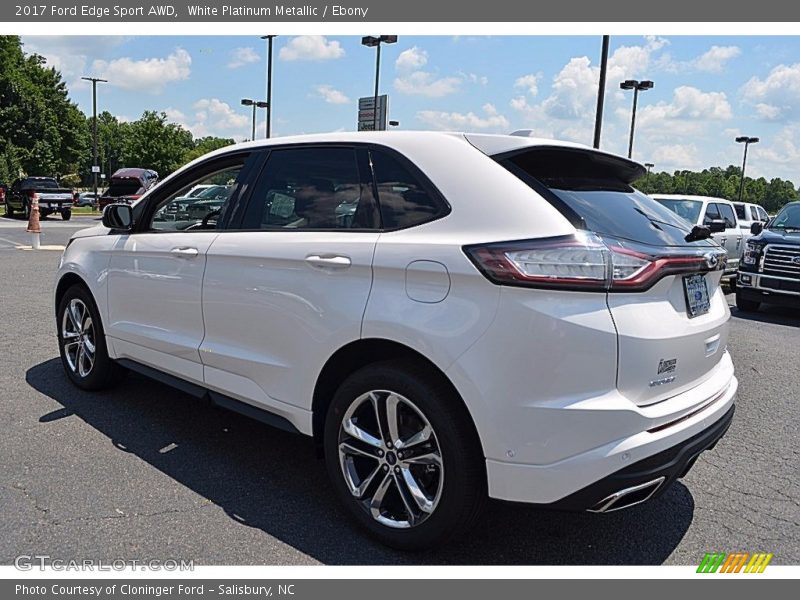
82, 342
66, 214
9, 211
404, 457
746, 305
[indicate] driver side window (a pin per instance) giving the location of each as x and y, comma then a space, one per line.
197, 205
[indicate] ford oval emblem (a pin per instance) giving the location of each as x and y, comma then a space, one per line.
712, 260
796, 260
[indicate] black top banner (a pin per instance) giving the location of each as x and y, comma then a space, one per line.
403, 11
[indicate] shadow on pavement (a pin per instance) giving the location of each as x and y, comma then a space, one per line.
777, 315
271, 480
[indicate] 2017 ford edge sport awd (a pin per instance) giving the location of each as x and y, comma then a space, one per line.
451, 317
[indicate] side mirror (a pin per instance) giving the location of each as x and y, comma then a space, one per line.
757, 227
716, 225
118, 216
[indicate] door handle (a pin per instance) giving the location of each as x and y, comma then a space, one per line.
328, 261
186, 251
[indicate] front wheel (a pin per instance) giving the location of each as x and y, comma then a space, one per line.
82, 343
746, 305
404, 456
9, 211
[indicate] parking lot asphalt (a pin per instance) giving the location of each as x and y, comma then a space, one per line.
146, 472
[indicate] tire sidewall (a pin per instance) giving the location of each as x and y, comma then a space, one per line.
98, 376
455, 445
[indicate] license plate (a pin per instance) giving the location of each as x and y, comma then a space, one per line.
696, 288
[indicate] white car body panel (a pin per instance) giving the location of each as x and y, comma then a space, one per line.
556, 382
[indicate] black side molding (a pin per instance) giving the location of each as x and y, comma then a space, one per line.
217, 399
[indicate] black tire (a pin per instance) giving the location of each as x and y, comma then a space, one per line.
746, 305
104, 372
26, 210
66, 214
9, 211
462, 488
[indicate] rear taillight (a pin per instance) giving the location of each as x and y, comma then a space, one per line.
583, 261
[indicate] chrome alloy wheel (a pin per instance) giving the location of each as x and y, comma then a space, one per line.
77, 333
390, 459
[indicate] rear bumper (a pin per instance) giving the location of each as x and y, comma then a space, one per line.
663, 447
648, 478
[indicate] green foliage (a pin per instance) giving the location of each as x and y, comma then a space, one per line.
721, 183
205, 145
154, 143
43, 132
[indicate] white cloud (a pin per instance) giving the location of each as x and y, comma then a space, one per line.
777, 96
149, 75
243, 56
424, 83
688, 104
474, 78
212, 116
446, 121
715, 59
529, 83
331, 95
70, 54
669, 157
413, 58
311, 47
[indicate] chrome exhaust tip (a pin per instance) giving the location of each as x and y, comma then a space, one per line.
627, 497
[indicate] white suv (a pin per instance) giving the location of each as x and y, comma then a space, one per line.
451, 317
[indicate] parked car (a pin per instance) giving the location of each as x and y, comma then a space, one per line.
717, 214
189, 209
128, 185
770, 269
52, 197
747, 214
501, 317
85, 199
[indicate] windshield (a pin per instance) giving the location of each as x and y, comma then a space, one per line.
215, 191
788, 218
688, 209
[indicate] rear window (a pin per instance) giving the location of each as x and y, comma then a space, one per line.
594, 192
740, 211
125, 187
40, 184
726, 212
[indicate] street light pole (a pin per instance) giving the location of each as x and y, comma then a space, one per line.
94, 81
601, 91
376, 41
746, 140
255, 104
636, 86
647, 176
269, 39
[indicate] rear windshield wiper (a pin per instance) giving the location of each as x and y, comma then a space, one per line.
698, 232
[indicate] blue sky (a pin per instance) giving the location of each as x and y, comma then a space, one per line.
707, 90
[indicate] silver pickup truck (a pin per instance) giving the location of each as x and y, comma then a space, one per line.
52, 198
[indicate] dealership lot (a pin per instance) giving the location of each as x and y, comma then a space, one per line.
145, 472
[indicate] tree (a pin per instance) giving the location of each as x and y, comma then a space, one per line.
205, 145
42, 132
154, 143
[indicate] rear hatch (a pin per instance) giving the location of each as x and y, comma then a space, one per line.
123, 187
671, 314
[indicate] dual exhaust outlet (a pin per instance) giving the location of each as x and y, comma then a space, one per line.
628, 497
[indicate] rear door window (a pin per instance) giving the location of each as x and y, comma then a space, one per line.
741, 211
311, 188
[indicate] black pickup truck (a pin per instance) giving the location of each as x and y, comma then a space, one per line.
769, 270
52, 198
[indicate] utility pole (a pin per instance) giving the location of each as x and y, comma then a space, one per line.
746, 140
269, 39
601, 91
95, 166
636, 86
375, 41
